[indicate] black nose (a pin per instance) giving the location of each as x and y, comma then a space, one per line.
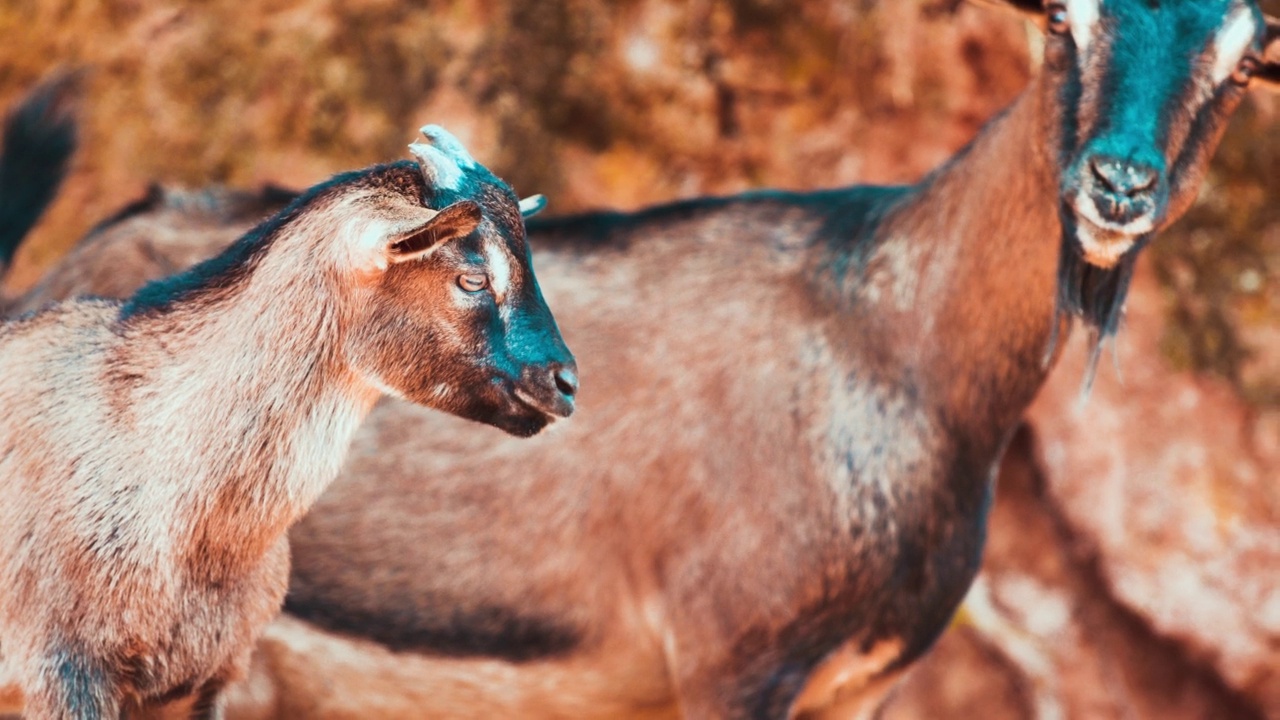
566, 381
550, 387
1126, 179
1123, 191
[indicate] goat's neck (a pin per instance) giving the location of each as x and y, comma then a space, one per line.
983, 237
254, 397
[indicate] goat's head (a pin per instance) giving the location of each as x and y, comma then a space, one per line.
449, 313
1143, 90
1135, 95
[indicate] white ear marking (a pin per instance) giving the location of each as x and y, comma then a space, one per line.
1231, 43
532, 205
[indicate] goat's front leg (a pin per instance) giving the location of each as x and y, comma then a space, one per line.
208, 705
200, 705
72, 687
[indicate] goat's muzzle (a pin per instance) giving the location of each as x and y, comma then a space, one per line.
1116, 201
551, 388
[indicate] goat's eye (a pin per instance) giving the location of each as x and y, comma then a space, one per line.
1059, 18
1245, 71
473, 282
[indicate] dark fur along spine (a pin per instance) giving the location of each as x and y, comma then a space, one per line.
40, 138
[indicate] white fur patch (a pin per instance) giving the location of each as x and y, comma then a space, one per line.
1102, 248
1084, 16
1231, 43
495, 256
1085, 207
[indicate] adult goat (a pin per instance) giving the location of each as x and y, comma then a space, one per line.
775, 495
156, 450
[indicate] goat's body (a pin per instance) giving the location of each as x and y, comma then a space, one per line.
154, 452
711, 559
829, 516
166, 564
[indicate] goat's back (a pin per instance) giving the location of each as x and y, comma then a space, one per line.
713, 383
163, 233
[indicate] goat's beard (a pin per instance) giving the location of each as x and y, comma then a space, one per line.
1091, 293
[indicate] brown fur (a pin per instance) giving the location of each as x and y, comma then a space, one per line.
155, 452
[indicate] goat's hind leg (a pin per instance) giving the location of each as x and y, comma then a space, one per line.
72, 687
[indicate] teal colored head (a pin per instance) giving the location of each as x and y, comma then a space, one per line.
1139, 93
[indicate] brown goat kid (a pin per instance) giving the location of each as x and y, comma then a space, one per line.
154, 452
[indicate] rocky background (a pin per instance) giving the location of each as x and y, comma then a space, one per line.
1133, 569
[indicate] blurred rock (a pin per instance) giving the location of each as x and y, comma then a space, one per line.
592, 103
1170, 479
1042, 636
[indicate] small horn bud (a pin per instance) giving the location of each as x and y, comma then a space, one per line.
532, 205
448, 144
438, 169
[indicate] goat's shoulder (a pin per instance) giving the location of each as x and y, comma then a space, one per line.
50, 360
62, 322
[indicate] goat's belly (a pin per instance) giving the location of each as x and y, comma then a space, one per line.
304, 673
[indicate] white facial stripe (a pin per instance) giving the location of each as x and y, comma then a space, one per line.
1084, 20
1231, 43
499, 267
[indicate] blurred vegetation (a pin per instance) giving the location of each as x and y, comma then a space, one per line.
602, 103
1220, 265
593, 103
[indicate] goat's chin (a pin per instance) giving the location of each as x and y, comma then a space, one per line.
1102, 247
510, 416
520, 425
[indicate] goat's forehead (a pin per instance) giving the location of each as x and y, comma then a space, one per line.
1169, 43
1194, 21
498, 204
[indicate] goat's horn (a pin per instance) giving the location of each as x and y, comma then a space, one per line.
444, 141
532, 205
438, 169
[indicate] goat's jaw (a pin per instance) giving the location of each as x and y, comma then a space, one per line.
1102, 242
1102, 247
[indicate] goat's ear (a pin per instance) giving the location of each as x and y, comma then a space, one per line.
1028, 7
458, 220
532, 205
1269, 74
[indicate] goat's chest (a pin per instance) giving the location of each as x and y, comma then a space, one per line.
911, 496
211, 631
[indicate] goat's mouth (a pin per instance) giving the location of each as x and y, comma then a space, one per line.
1103, 247
553, 408
1102, 242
